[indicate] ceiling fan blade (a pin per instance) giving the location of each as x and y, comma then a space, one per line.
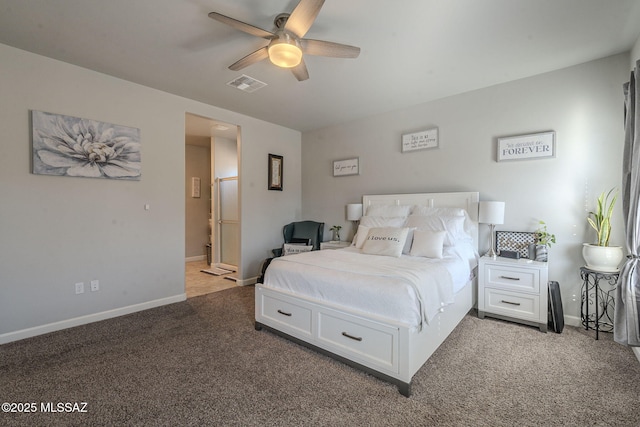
325, 48
303, 16
242, 26
300, 71
252, 58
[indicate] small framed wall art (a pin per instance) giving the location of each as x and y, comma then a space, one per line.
420, 140
275, 172
527, 147
346, 167
195, 187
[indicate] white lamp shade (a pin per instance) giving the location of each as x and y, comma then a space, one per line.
491, 213
354, 211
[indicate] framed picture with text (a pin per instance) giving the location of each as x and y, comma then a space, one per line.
346, 167
420, 140
527, 147
275, 172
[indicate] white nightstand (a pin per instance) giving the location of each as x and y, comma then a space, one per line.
514, 289
334, 245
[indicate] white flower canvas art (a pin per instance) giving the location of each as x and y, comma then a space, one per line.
72, 146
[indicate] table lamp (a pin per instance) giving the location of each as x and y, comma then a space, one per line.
354, 213
491, 213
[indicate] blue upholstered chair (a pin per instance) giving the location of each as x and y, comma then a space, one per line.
306, 232
310, 232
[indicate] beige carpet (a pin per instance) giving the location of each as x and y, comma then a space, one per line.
200, 362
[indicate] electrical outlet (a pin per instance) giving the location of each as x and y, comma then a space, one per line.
80, 288
95, 285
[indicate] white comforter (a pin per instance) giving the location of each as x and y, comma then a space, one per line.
409, 290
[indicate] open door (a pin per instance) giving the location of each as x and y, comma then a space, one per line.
212, 229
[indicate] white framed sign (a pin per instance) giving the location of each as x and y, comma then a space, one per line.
527, 147
346, 167
420, 140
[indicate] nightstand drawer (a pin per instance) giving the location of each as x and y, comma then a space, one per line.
513, 304
511, 277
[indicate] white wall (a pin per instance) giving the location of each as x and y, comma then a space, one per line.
582, 104
635, 53
56, 231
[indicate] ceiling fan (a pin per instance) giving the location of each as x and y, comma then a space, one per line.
286, 44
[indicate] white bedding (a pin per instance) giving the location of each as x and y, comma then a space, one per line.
409, 290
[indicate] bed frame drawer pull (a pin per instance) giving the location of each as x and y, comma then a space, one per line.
284, 313
344, 334
509, 302
509, 278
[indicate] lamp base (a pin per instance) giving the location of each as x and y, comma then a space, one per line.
491, 252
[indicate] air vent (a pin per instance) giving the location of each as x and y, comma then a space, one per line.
246, 83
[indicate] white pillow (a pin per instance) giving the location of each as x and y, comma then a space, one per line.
360, 237
409, 241
387, 241
428, 210
453, 225
383, 221
295, 248
428, 243
388, 210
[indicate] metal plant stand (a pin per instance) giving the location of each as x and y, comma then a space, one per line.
598, 302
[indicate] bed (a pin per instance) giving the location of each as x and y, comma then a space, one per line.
384, 313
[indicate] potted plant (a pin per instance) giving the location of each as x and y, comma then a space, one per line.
336, 232
600, 256
544, 240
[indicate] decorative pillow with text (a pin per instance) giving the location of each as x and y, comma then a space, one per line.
294, 248
387, 241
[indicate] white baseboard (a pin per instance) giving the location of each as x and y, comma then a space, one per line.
90, 318
247, 282
572, 321
195, 258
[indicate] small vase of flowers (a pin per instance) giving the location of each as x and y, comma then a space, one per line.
544, 240
336, 232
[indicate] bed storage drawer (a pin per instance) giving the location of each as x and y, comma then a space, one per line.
514, 304
292, 317
360, 339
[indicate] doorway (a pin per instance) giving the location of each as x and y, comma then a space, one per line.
212, 226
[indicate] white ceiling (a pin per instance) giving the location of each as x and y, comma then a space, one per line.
412, 51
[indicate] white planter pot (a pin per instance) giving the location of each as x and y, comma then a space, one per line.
602, 258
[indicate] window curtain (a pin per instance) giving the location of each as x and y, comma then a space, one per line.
626, 328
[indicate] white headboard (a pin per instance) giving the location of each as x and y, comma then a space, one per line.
465, 200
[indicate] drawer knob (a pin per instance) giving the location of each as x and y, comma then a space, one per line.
509, 278
344, 334
284, 313
509, 302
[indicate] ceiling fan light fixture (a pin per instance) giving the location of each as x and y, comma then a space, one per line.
284, 51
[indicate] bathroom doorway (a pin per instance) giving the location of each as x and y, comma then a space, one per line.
212, 211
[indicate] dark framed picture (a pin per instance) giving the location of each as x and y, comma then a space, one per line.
275, 172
